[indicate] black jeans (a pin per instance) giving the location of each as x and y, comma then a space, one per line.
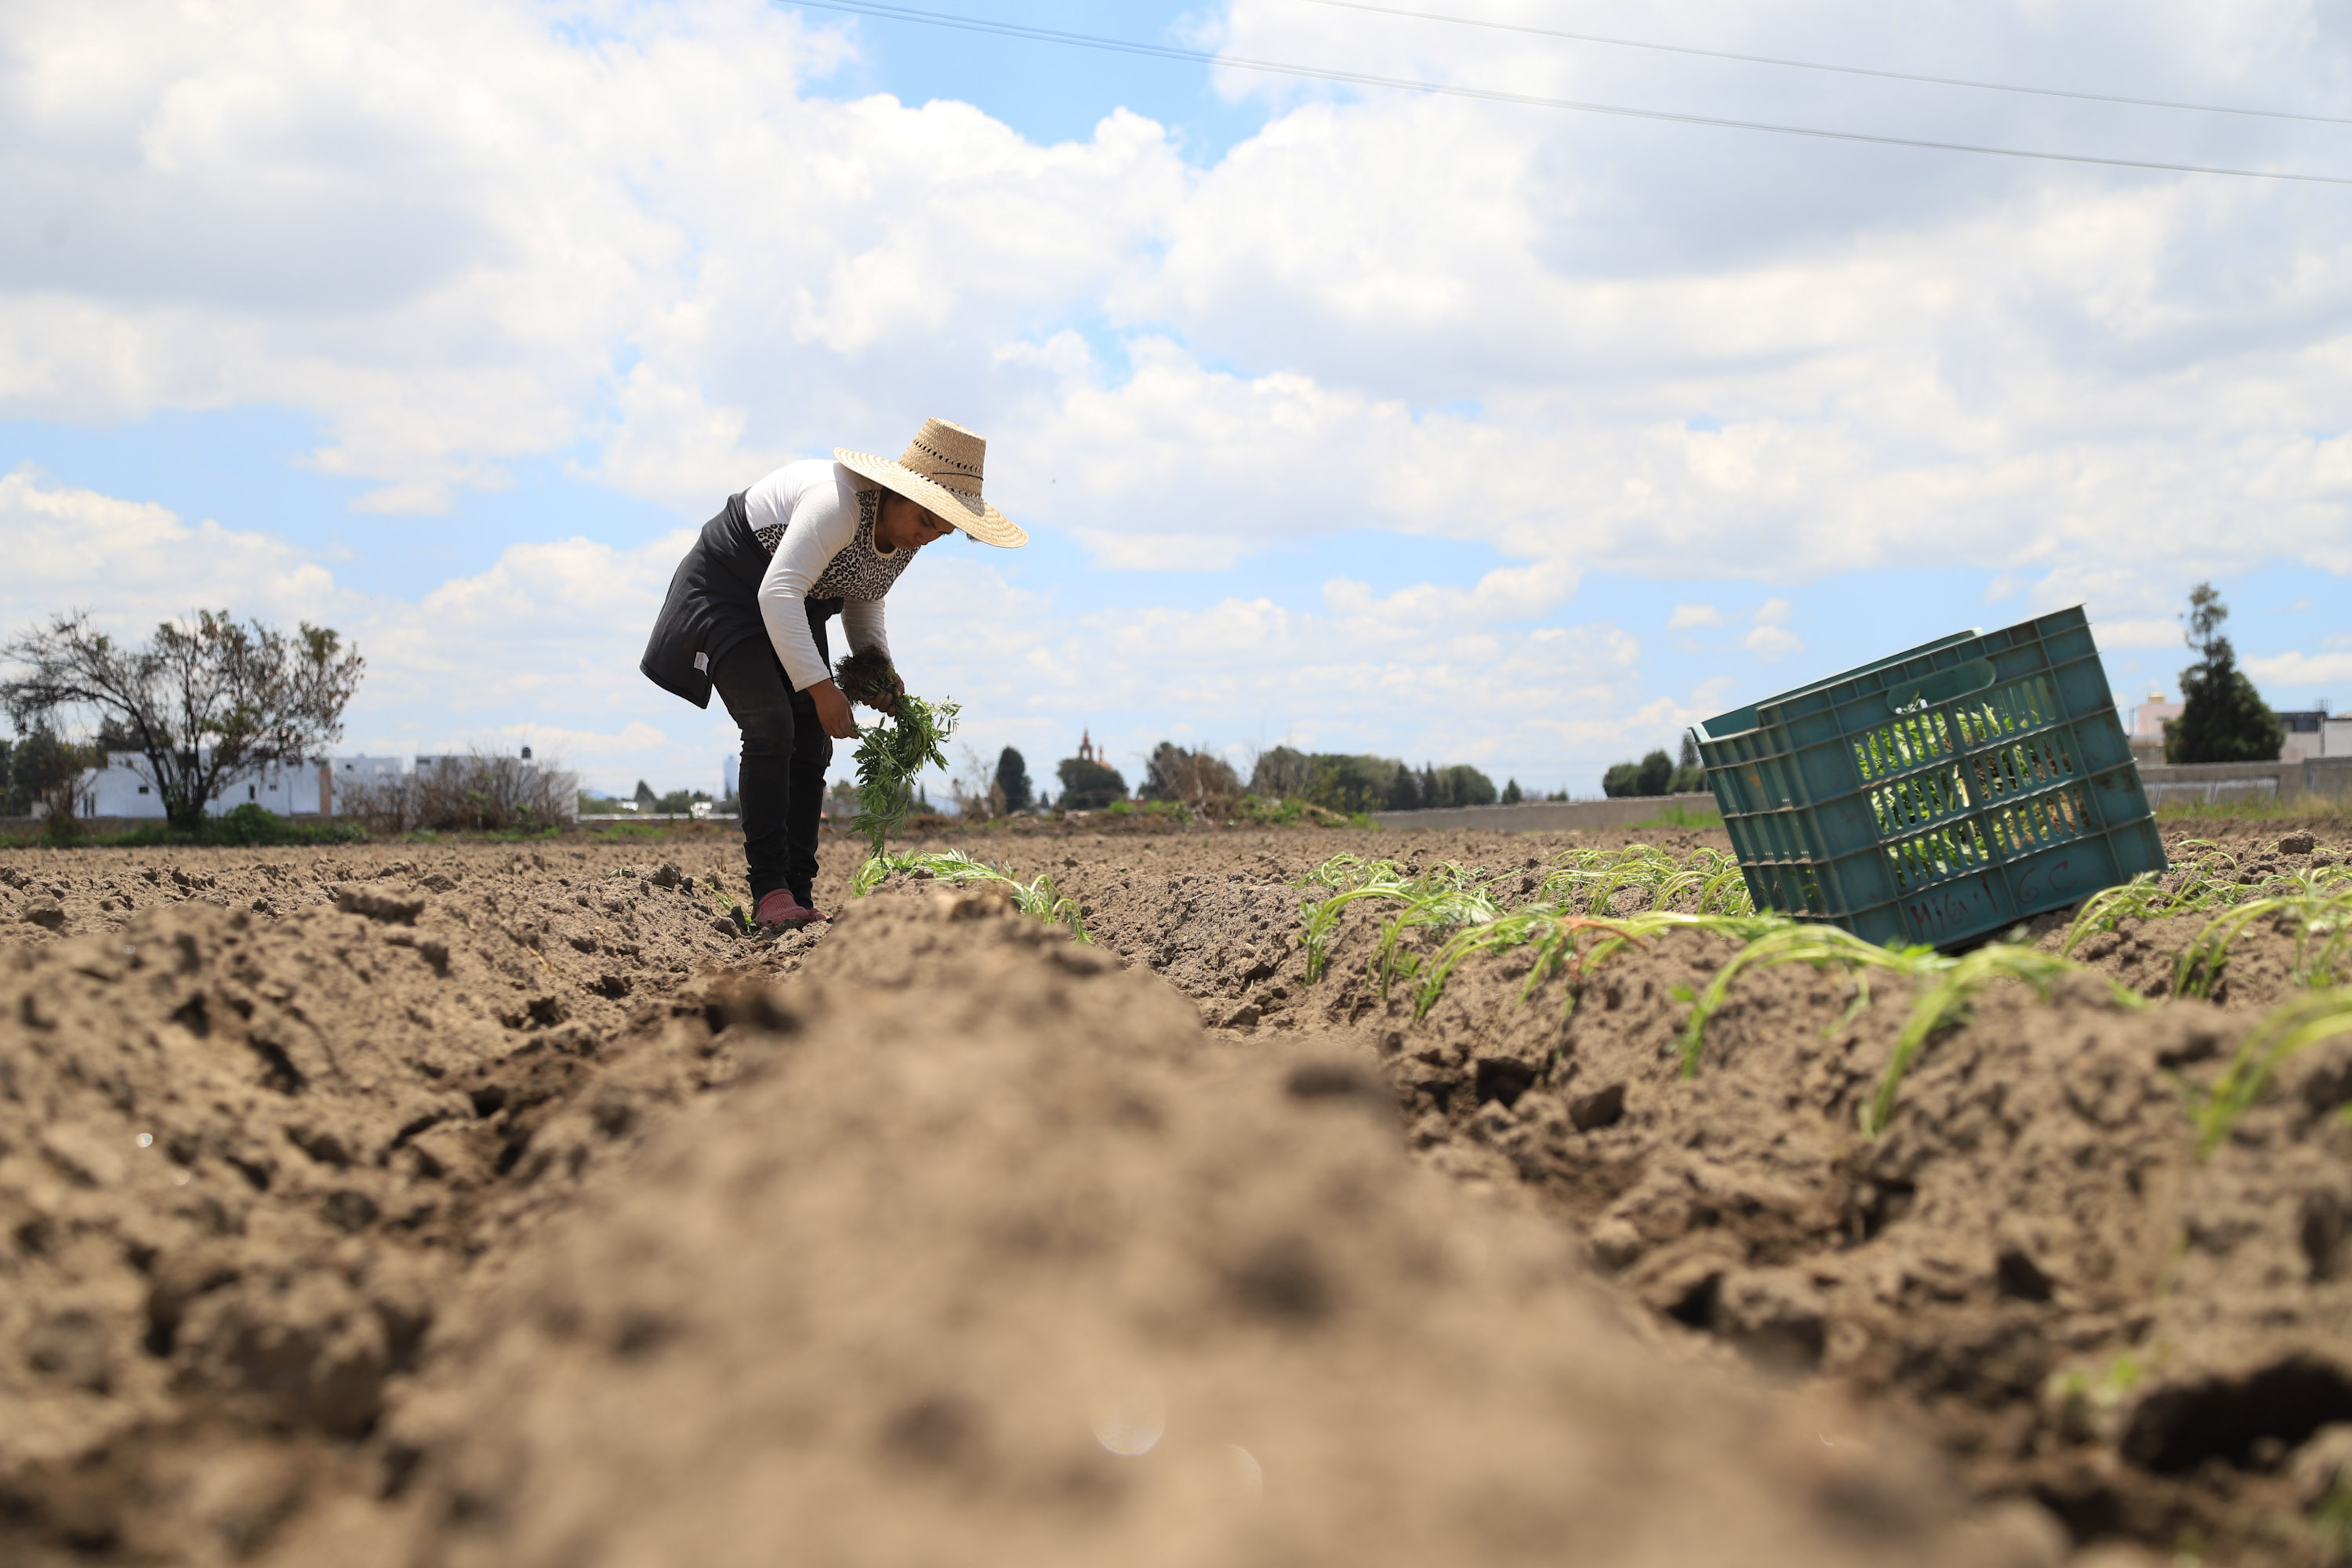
785, 754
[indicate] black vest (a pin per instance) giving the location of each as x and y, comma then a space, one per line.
714, 605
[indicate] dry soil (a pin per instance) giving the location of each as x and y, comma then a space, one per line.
481, 1204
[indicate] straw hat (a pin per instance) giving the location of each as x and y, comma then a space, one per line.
939, 471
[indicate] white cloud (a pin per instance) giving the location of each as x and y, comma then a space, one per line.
466, 233
1771, 640
2302, 671
403, 220
2149, 632
138, 563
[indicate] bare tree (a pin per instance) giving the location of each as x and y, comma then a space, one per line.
1200, 779
473, 791
205, 701
977, 794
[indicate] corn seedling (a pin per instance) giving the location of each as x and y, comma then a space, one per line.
1038, 898
2301, 1022
2318, 909
1559, 937
2142, 898
1793, 941
890, 754
1710, 880
1439, 899
1349, 878
1948, 1000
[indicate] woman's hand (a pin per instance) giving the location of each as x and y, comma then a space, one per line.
833, 711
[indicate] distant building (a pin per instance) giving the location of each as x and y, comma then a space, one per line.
2148, 727
2312, 734
121, 787
2147, 718
1086, 753
2306, 735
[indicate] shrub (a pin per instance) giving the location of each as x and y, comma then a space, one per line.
476, 791
1657, 773
1653, 774
1200, 780
1282, 773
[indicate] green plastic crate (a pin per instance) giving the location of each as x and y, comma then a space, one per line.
1938, 796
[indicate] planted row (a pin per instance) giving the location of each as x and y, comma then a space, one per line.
1567, 925
1039, 896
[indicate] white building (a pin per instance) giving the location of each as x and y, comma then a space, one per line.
122, 788
2306, 734
2147, 718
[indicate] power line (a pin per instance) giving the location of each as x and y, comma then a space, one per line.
1842, 71
1531, 100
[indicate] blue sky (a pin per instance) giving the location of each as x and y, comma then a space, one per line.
1361, 420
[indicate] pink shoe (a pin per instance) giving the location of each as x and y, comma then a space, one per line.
779, 911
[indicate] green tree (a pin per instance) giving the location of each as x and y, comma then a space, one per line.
1404, 790
1657, 774
1623, 779
39, 764
646, 798
1352, 782
1511, 796
1013, 779
2224, 719
203, 702
1089, 787
1465, 785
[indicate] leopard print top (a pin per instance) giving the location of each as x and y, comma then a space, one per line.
858, 571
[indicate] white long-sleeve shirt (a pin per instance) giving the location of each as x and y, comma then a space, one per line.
816, 519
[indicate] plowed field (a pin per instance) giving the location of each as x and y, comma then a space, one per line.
443, 1205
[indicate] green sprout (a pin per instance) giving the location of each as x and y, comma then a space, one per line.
1348, 877
2318, 904
2267, 1046
1948, 1000
1038, 898
1793, 941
